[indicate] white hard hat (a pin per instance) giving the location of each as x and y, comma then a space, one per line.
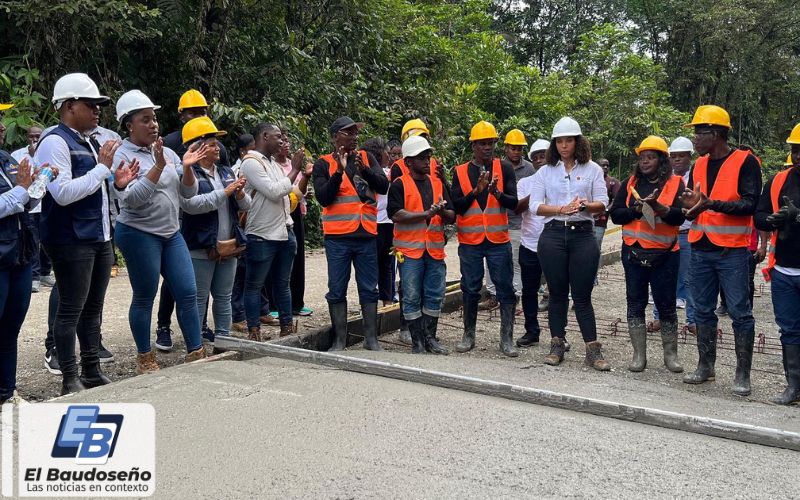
77, 86
414, 146
681, 145
131, 101
566, 127
539, 145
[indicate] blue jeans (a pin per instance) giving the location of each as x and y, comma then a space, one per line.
424, 281
729, 269
683, 291
15, 297
362, 254
500, 263
148, 256
662, 280
785, 301
274, 258
215, 278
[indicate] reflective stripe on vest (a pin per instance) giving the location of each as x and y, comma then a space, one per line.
415, 238
639, 231
774, 193
723, 230
348, 212
475, 225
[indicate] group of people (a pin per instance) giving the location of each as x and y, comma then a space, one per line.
231, 232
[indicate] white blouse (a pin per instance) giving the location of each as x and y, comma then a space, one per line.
553, 186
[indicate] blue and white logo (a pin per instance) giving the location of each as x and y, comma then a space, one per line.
87, 435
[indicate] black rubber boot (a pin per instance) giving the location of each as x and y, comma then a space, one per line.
791, 366
417, 336
507, 330
93, 376
467, 343
429, 326
744, 360
638, 333
707, 356
338, 313
70, 384
669, 340
405, 334
369, 316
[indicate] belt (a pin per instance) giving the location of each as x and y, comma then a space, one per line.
560, 224
683, 231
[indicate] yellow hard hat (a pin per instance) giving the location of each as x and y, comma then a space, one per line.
483, 130
788, 162
292, 201
794, 137
192, 99
202, 126
413, 128
5, 107
710, 115
515, 137
653, 143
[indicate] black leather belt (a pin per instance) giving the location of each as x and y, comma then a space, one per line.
560, 224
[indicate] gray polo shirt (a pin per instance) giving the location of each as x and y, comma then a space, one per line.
524, 169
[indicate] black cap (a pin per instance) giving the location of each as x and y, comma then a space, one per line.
342, 123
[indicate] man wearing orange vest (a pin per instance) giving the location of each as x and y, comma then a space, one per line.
721, 197
419, 206
777, 212
483, 190
345, 183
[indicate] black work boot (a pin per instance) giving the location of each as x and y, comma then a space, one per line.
744, 360
707, 356
93, 376
529, 339
369, 316
638, 333
507, 330
791, 366
470, 318
669, 340
405, 334
429, 326
417, 336
338, 312
70, 384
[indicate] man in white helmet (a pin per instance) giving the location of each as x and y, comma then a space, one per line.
76, 225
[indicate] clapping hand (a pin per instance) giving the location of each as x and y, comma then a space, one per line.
695, 202
298, 158
24, 175
493, 186
483, 182
342, 159
107, 151
437, 208
786, 215
235, 186
572, 207
126, 173
158, 153
196, 152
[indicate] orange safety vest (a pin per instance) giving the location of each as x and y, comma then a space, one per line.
347, 211
414, 238
476, 224
639, 231
774, 193
401, 163
723, 230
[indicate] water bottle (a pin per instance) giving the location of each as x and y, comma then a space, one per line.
39, 186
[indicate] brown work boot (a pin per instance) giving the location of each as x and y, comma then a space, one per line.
654, 326
594, 357
287, 330
267, 319
240, 327
195, 355
254, 333
146, 363
557, 351
488, 304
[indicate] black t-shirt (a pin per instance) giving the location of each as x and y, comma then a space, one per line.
507, 199
396, 200
749, 188
787, 249
621, 212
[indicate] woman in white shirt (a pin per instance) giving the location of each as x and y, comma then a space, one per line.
568, 191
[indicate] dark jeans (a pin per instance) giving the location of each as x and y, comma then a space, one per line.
82, 272
40, 262
531, 273
297, 282
149, 256
386, 264
662, 280
15, 297
569, 257
752, 269
500, 262
726, 269
785, 298
341, 254
237, 295
265, 257
52, 309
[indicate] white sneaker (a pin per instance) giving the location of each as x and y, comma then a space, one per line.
680, 303
48, 280
35, 286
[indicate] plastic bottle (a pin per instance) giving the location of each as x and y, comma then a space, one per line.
39, 186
